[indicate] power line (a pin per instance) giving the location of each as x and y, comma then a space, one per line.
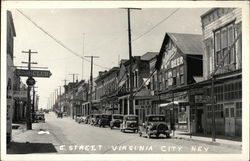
58, 41
152, 28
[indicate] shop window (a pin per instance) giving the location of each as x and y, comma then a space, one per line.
174, 77
170, 78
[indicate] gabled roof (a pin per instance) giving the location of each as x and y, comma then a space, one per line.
148, 56
187, 43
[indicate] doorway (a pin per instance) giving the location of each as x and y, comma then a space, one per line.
230, 120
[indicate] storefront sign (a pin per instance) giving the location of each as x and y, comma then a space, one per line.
204, 99
176, 62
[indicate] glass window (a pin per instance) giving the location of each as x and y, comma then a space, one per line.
217, 41
232, 112
174, 72
182, 79
181, 69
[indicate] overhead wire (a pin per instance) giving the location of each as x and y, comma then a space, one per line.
58, 41
152, 28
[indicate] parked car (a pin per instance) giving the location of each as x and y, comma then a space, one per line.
39, 117
95, 119
60, 114
116, 120
129, 122
89, 119
104, 120
78, 118
154, 125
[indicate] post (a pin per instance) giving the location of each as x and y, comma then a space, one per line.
73, 101
173, 112
131, 107
60, 106
33, 106
213, 114
91, 82
28, 111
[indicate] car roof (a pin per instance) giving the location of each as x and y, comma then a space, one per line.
130, 115
154, 115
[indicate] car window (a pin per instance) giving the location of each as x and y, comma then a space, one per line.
156, 118
131, 118
118, 117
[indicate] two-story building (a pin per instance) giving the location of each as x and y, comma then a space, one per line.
178, 65
141, 92
11, 33
106, 90
223, 59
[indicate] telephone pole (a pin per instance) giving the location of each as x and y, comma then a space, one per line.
65, 82
60, 105
131, 108
73, 101
28, 111
91, 82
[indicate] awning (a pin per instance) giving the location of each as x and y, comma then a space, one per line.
171, 103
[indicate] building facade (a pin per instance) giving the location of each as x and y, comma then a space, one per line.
178, 65
141, 91
11, 33
223, 58
106, 90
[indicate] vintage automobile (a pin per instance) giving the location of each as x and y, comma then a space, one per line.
154, 125
104, 120
95, 119
80, 118
116, 120
88, 119
129, 122
39, 117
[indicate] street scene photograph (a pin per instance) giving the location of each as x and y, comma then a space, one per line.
124, 80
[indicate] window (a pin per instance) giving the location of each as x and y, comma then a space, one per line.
160, 81
223, 38
174, 76
166, 80
239, 109
181, 68
170, 78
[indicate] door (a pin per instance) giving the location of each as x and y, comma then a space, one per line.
230, 120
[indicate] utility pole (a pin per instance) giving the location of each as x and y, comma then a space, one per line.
60, 107
131, 108
28, 117
65, 82
91, 82
33, 105
83, 54
73, 101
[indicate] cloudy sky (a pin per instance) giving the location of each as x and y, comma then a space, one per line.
99, 32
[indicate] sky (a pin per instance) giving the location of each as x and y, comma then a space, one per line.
97, 32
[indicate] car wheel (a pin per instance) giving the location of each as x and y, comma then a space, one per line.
140, 134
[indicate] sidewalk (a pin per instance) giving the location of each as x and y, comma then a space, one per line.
221, 140
37, 140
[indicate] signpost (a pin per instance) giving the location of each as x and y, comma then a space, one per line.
33, 73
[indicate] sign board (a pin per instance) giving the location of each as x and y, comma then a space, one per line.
33, 73
20, 94
30, 81
204, 99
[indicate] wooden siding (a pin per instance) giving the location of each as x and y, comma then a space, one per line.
208, 37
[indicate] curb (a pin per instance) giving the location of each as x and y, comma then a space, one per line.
239, 147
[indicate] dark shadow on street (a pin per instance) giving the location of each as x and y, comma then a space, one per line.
26, 148
217, 136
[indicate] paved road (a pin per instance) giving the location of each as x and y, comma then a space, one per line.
71, 137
